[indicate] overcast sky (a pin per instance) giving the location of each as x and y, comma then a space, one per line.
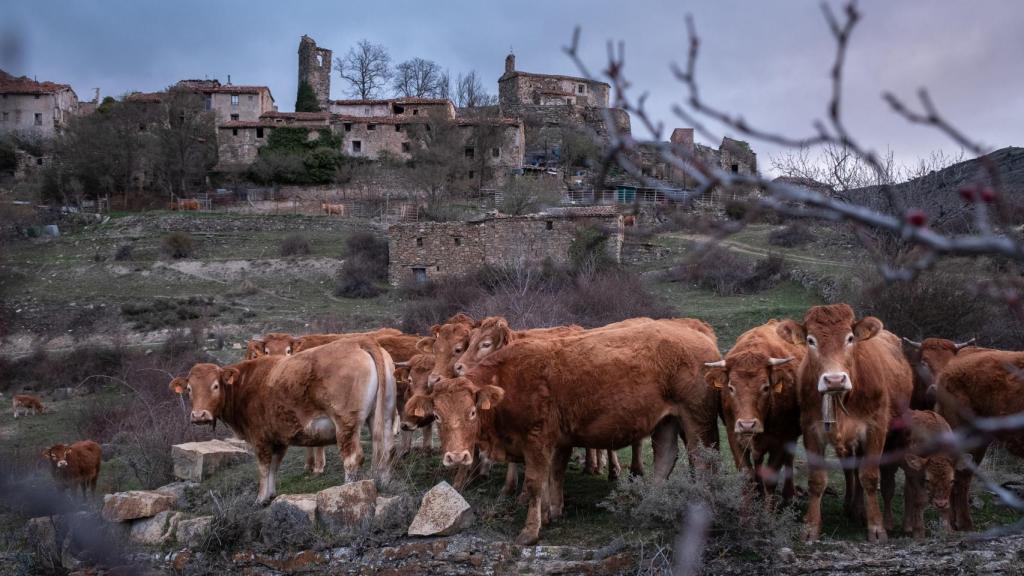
768, 60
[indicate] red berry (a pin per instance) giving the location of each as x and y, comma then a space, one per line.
968, 192
988, 194
917, 217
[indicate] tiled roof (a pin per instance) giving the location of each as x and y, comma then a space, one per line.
510, 75
246, 124
389, 101
296, 115
24, 85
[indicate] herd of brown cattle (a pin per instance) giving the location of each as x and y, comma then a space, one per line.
532, 396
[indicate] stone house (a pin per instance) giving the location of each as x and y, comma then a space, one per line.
429, 250
394, 107
231, 102
34, 108
315, 69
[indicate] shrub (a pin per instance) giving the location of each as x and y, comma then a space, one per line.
370, 247
295, 245
588, 249
742, 523
359, 278
736, 210
177, 245
727, 273
123, 253
796, 234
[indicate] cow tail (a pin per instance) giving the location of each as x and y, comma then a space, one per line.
382, 412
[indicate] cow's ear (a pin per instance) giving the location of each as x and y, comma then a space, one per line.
254, 349
964, 462
715, 374
782, 376
178, 385
46, 453
489, 396
419, 405
914, 461
425, 345
435, 330
867, 327
791, 332
504, 332
228, 375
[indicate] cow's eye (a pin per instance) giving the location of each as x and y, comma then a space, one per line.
472, 413
811, 341
485, 344
849, 339
437, 418
216, 385
189, 389
458, 349
288, 351
732, 389
764, 387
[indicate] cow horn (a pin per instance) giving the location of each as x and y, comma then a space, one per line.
779, 361
912, 343
402, 364
718, 364
966, 344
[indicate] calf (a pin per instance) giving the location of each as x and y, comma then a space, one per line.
536, 399
929, 473
329, 209
757, 382
313, 398
981, 384
75, 465
859, 366
26, 404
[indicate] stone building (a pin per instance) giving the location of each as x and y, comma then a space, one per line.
229, 102
394, 107
315, 70
40, 109
549, 104
429, 250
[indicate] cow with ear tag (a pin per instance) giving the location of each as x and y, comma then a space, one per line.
854, 386
757, 383
318, 397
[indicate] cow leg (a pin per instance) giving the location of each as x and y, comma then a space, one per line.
591, 466
556, 493
428, 434
961, 495
869, 475
614, 467
817, 481
347, 436
697, 435
404, 442
538, 462
462, 475
788, 489
636, 465
511, 480
665, 443
263, 459
910, 486
888, 493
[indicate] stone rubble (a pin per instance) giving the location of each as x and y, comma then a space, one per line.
442, 512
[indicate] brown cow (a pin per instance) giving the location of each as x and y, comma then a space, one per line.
188, 204
757, 382
398, 345
859, 366
929, 472
535, 399
928, 358
313, 398
329, 209
446, 344
982, 384
26, 404
75, 465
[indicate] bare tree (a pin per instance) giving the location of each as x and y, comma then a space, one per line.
470, 92
419, 78
366, 68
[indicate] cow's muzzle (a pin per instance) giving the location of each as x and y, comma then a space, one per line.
748, 426
202, 417
460, 369
834, 382
464, 457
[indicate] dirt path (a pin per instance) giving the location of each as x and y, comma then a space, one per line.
750, 249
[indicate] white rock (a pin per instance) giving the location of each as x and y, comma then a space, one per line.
178, 490
135, 504
155, 530
296, 505
346, 505
443, 511
196, 461
192, 531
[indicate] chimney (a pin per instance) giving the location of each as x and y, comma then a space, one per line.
229, 79
510, 63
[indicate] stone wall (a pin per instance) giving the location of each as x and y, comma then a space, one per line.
430, 250
18, 112
315, 69
249, 108
546, 123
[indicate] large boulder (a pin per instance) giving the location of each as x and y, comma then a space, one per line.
192, 531
156, 530
443, 511
124, 506
196, 461
390, 511
300, 509
346, 505
179, 490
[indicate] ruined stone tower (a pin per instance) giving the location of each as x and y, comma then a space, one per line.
315, 70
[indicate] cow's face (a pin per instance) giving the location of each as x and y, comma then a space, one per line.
448, 343
456, 405
492, 334
418, 371
831, 334
938, 476
57, 455
206, 385
748, 381
936, 354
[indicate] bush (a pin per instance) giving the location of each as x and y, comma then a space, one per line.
791, 236
365, 268
177, 245
371, 247
736, 210
727, 273
123, 253
589, 249
295, 245
742, 522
